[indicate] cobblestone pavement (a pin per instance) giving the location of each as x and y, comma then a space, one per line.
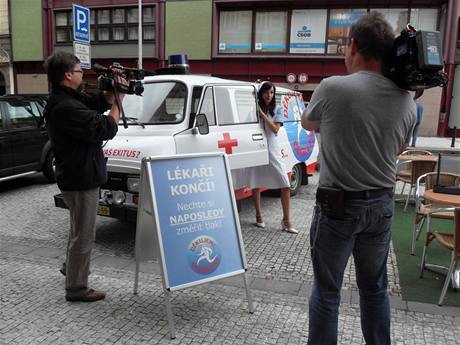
33, 236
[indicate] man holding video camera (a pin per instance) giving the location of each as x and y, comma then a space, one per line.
77, 127
365, 121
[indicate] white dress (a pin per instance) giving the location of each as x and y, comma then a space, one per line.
273, 175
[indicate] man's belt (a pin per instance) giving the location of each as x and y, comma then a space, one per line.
367, 194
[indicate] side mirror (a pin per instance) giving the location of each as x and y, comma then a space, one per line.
202, 124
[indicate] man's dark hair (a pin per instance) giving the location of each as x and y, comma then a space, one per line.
373, 36
57, 65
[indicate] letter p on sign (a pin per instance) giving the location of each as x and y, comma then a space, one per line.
81, 21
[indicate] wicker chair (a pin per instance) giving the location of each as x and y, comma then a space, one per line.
418, 168
404, 166
422, 209
450, 241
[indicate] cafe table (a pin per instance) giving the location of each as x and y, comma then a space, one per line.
442, 198
449, 200
426, 158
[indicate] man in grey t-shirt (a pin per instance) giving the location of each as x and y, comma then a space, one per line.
365, 121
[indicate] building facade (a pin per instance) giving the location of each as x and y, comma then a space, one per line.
6, 66
292, 43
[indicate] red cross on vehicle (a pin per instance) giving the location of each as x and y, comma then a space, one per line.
227, 143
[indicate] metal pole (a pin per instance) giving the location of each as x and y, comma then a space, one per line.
248, 293
139, 36
169, 314
136, 277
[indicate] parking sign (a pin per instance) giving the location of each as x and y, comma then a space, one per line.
81, 21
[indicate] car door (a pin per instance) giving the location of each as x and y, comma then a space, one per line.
5, 148
26, 137
234, 128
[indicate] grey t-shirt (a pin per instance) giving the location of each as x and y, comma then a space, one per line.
364, 120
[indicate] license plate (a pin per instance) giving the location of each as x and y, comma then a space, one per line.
103, 210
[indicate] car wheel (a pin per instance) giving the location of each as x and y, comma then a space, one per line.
296, 179
49, 167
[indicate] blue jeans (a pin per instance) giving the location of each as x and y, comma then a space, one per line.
365, 231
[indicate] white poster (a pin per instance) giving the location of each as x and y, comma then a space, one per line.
308, 31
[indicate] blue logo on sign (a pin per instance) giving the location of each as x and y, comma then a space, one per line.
305, 32
81, 20
204, 255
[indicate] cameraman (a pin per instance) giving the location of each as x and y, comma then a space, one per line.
76, 128
365, 121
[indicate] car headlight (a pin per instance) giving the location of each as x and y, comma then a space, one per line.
118, 197
132, 183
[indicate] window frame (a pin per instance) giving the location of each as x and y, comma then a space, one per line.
95, 26
223, 6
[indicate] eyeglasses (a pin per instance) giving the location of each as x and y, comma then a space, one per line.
77, 70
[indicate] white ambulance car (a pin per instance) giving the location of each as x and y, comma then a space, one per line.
185, 113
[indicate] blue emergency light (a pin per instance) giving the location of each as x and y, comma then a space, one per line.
178, 60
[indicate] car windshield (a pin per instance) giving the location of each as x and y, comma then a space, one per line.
161, 103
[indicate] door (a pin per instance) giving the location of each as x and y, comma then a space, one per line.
234, 128
26, 138
5, 149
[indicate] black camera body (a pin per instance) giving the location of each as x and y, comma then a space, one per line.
132, 75
416, 62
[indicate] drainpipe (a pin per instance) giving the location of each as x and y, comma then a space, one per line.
449, 45
139, 36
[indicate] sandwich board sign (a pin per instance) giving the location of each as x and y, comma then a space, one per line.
187, 218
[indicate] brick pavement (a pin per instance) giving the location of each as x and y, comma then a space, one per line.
33, 309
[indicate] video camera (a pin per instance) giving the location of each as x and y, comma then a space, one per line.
416, 62
132, 75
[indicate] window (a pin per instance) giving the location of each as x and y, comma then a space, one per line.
109, 25
397, 17
271, 28
235, 31
21, 115
166, 103
308, 31
63, 22
424, 18
246, 106
207, 107
235, 104
340, 21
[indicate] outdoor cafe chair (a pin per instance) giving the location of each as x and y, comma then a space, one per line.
422, 208
451, 242
417, 169
404, 166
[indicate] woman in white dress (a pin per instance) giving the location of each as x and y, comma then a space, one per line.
273, 175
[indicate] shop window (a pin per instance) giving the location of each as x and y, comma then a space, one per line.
424, 18
308, 32
397, 17
340, 22
235, 32
271, 28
